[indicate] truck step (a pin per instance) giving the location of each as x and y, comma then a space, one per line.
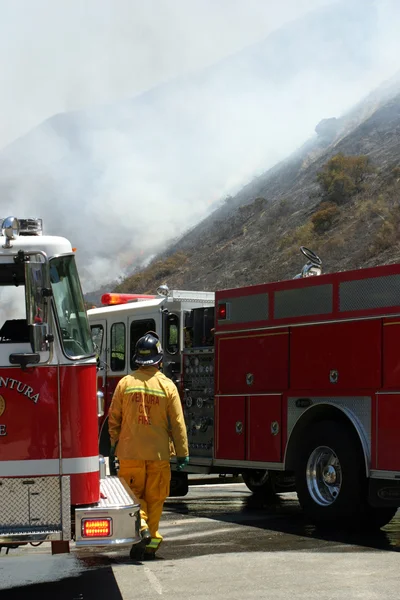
115, 493
29, 534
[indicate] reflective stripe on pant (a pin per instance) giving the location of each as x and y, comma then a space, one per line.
149, 480
153, 546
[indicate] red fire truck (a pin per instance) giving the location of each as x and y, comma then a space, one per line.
53, 484
295, 385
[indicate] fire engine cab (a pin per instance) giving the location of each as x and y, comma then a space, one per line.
293, 384
53, 483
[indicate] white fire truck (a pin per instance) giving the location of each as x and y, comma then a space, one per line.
117, 326
53, 483
294, 384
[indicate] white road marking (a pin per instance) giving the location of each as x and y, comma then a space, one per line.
189, 521
154, 581
189, 536
213, 485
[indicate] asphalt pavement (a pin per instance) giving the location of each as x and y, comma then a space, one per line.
220, 542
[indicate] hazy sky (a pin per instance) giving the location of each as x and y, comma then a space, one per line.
58, 55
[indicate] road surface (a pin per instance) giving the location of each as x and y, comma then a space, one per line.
220, 542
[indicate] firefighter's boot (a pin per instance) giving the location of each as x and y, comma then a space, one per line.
146, 536
138, 550
151, 549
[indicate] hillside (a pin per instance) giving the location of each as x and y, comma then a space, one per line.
255, 236
160, 162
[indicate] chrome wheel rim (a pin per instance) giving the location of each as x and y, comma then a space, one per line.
324, 476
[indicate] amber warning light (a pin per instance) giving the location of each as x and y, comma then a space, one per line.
114, 298
96, 527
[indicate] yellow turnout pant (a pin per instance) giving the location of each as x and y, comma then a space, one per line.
149, 480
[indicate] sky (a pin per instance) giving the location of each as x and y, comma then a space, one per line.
61, 55
237, 85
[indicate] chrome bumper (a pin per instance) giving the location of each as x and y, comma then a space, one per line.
117, 503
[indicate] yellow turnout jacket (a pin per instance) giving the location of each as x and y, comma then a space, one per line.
145, 408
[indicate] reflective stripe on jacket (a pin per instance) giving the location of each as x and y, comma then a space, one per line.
145, 409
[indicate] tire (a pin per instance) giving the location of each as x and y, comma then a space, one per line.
259, 482
377, 517
283, 482
179, 485
330, 476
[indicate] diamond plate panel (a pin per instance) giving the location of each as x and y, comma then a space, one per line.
360, 406
246, 308
66, 507
30, 504
375, 292
302, 302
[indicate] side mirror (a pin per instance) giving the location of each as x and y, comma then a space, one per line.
38, 292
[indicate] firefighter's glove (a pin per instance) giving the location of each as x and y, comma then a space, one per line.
113, 460
182, 462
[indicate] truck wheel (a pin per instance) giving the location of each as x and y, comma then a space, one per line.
259, 482
330, 475
179, 485
379, 516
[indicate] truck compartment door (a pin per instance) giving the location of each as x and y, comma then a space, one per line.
391, 355
264, 428
252, 362
336, 356
387, 442
230, 427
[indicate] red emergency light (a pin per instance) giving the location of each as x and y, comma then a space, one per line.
113, 298
221, 314
96, 527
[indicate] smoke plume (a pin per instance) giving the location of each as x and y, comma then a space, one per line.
149, 138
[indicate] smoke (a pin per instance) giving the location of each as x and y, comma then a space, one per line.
135, 170
61, 55
12, 303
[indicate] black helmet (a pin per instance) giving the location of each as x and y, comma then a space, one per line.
148, 350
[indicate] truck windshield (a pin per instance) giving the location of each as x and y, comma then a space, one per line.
72, 319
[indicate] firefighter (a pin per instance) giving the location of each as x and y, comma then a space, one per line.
145, 410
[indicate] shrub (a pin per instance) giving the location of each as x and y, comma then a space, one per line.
396, 173
280, 209
323, 219
384, 238
259, 203
335, 243
301, 236
341, 189
342, 177
377, 207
